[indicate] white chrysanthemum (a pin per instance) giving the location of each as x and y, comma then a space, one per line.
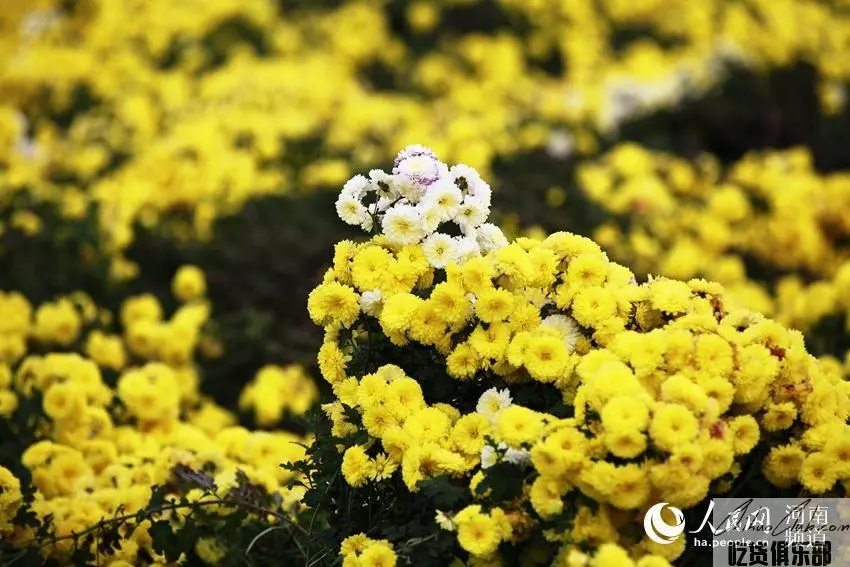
369, 220
28, 148
493, 401
470, 215
383, 185
489, 457
445, 197
431, 218
444, 521
351, 210
407, 188
402, 224
490, 237
371, 302
568, 328
560, 144
627, 98
422, 166
440, 249
470, 183
357, 187
25, 145
467, 247
385, 203
519, 457
36, 22
411, 151
419, 167
419, 196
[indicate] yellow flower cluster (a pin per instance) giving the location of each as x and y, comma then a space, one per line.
668, 387
361, 551
10, 499
683, 43
276, 391
185, 111
193, 139
189, 283
481, 533
14, 326
608, 555
103, 448
98, 463
771, 208
149, 336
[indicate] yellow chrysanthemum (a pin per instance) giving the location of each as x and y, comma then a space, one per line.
673, 425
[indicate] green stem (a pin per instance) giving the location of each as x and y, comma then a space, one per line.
146, 514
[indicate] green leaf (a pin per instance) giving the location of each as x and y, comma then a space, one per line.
165, 541
157, 500
504, 481
443, 493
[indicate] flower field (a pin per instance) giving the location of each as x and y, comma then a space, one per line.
419, 282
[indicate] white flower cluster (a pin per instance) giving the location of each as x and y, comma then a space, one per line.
421, 196
490, 404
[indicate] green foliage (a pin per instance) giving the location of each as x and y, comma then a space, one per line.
260, 266
63, 256
337, 510
175, 525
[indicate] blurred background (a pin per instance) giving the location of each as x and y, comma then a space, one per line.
690, 138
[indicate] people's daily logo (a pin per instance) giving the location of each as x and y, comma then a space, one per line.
657, 529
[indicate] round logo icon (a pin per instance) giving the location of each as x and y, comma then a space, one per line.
660, 531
